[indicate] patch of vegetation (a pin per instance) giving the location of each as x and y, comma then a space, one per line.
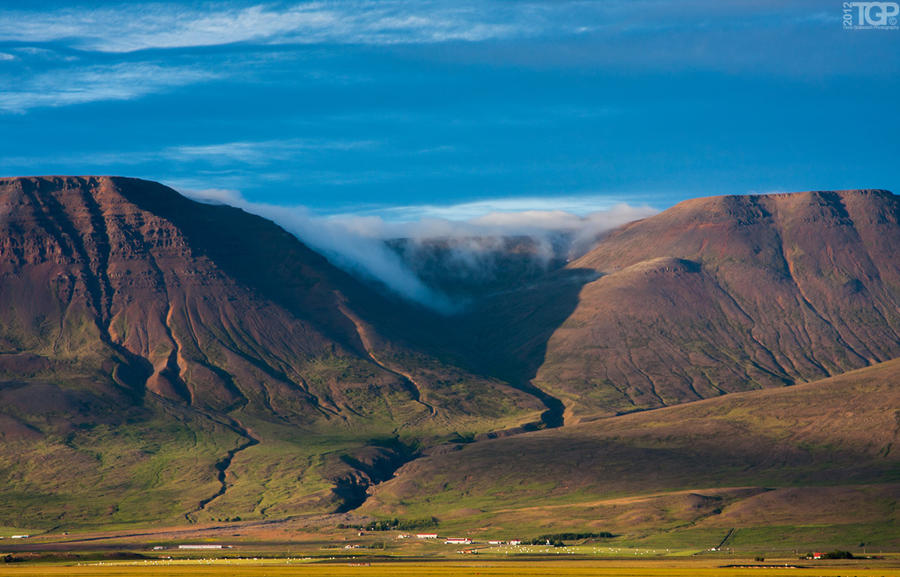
394, 525
838, 554
462, 438
67, 557
557, 539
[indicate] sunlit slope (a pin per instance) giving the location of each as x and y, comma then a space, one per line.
715, 295
817, 453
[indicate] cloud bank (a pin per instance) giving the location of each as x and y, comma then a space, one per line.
358, 243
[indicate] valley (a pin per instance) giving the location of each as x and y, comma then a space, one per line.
725, 369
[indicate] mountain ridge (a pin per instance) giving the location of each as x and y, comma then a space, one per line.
163, 309
203, 358
714, 294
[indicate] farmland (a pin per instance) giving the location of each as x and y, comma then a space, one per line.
299, 566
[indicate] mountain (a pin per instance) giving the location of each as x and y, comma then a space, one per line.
169, 361
199, 356
713, 296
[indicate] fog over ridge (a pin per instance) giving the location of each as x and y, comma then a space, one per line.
390, 251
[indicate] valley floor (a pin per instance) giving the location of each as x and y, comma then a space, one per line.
300, 547
277, 567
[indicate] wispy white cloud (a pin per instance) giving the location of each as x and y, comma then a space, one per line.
37, 54
572, 204
131, 27
261, 152
215, 195
203, 159
124, 81
795, 37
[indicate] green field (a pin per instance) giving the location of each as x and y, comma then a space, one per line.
254, 568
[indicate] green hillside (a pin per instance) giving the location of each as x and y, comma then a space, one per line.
821, 454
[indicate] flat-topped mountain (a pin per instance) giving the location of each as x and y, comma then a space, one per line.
128, 309
714, 295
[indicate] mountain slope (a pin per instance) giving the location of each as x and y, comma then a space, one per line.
163, 360
817, 453
130, 309
712, 296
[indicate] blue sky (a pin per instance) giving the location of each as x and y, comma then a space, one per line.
409, 110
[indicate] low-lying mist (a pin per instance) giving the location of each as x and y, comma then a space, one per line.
441, 263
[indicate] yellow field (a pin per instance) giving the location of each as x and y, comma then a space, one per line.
281, 567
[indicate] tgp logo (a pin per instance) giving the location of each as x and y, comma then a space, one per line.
864, 15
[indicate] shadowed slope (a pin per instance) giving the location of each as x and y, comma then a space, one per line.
128, 308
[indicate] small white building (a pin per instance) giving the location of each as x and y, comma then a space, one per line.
19, 536
515, 542
458, 541
200, 546
426, 535
496, 542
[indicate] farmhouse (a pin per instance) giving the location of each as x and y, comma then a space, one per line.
458, 541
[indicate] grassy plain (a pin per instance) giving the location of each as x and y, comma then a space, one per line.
619, 568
